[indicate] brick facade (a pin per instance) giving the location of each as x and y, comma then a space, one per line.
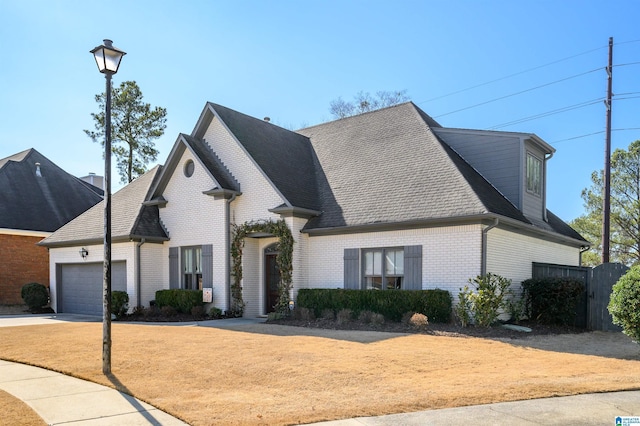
21, 262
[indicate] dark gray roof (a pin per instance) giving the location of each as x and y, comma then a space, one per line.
130, 219
286, 157
387, 166
40, 203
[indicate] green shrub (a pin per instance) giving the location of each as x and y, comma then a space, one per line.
485, 302
119, 303
624, 303
180, 299
436, 304
35, 295
215, 313
552, 300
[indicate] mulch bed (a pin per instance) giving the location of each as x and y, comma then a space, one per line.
436, 329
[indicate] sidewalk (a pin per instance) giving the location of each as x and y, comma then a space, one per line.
61, 399
582, 410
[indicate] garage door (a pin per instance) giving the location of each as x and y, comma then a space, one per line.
80, 286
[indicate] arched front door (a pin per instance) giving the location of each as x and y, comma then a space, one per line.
271, 277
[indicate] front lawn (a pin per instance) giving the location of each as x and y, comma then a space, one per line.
213, 376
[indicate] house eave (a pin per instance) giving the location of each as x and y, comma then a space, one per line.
221, 193
100, 241
289, 211
488, 218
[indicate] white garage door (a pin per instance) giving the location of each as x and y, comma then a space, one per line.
80, 286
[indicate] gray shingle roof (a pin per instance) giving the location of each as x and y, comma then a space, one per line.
286, 157
130, 218
44, 202
387, 166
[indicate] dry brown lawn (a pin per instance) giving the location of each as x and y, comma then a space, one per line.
17, 413
214, 376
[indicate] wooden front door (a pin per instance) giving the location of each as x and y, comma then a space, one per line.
272, 278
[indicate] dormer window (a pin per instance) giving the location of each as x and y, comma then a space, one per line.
534, 174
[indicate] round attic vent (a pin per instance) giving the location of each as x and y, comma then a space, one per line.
189, 168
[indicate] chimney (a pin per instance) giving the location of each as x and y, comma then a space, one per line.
38, 172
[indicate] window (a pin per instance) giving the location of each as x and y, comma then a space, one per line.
383, 268
192, 268
534, 174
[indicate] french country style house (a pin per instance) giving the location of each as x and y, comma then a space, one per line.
386, 200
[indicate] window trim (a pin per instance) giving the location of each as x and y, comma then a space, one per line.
198, 284
383, 270
529, 170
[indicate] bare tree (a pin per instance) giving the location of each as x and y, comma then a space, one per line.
365, 102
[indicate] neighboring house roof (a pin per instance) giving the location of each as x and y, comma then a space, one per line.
37, 195
130, 218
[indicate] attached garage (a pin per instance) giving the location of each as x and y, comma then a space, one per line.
79, 286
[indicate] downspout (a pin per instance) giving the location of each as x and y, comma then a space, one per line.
483, 267
139, 272
582, 250
544, 195
227, 244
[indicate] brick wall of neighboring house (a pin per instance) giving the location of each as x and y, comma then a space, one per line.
21, 262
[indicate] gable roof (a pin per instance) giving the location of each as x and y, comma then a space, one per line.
286, 158
131, 219
222, 177
40, 198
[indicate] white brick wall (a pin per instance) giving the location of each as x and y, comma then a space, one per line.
450, 255
258, 195
154, 261
510, 254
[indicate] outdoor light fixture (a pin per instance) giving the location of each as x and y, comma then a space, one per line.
107, 57
84, 252
108, 60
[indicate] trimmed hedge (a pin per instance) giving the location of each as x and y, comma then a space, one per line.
435, 304
180, 299
552, 300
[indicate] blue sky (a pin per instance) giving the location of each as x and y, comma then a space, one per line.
289, 59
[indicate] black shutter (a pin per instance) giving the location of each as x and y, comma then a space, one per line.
352, 268
174, 267
207, 266
413, 268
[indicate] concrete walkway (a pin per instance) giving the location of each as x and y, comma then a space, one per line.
61, 399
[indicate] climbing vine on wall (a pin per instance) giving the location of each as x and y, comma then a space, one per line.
278, 229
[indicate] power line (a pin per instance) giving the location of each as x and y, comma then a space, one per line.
518, 93
548, 113
594, 133
512, 75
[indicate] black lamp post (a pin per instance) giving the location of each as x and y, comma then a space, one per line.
108, 60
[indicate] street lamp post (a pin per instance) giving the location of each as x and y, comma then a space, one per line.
108, 60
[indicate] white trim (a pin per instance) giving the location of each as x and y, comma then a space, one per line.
24, 232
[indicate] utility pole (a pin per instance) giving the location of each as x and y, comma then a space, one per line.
606, 199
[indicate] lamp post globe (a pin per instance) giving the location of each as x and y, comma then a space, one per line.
108, 61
